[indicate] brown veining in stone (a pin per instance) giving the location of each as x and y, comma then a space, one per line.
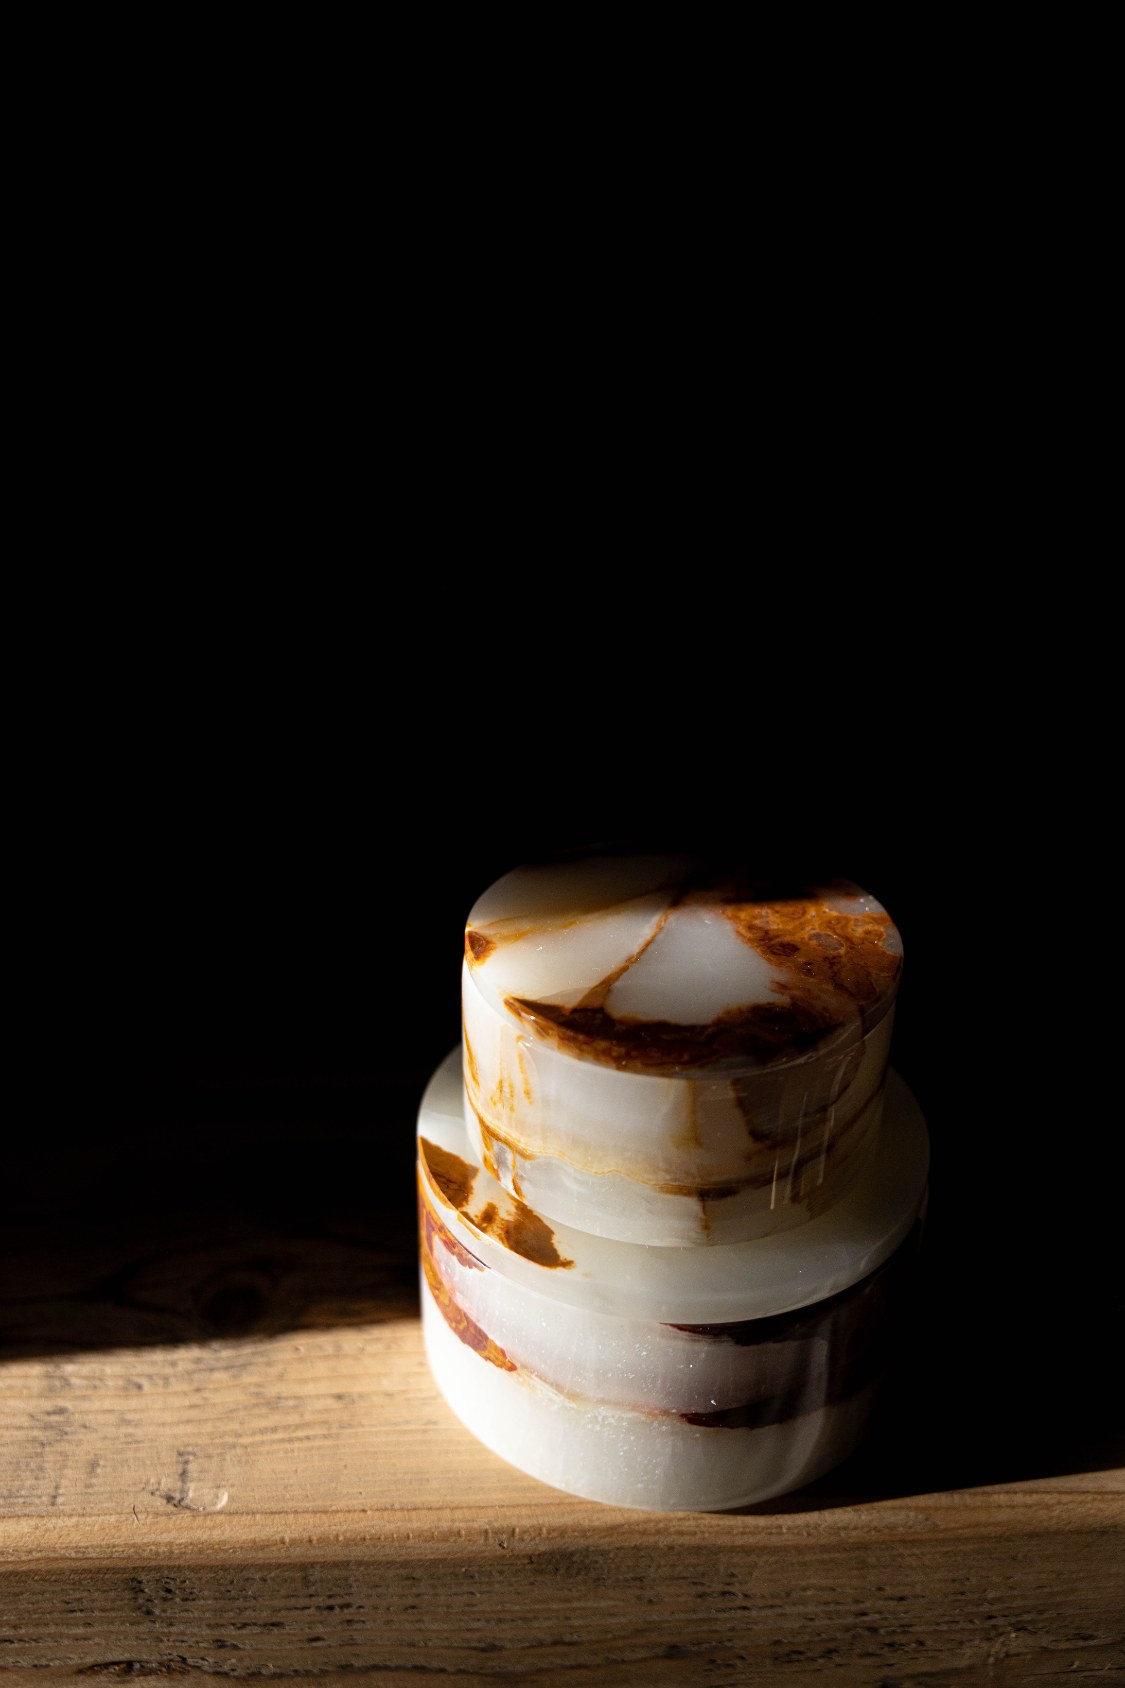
432, 1227
478, 947
525, 1079
523, 1231
764, 1031
803, 1149
855, 1327
836, 967
452, 1175
841, 955
503, 1094
465, 1328
595, 997
489, 1137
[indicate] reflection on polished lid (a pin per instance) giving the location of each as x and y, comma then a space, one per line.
655, 963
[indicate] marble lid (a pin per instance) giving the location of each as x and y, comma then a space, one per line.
750, 1280
666, 964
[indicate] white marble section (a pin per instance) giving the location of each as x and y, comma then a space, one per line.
630, 1458
694, 970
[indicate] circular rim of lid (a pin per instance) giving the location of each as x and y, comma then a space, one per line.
769, 1275
811, 973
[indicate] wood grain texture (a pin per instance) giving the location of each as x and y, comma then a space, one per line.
304, 1504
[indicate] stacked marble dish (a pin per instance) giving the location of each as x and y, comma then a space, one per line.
669, 1191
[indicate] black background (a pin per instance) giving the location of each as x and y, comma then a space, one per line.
248, 903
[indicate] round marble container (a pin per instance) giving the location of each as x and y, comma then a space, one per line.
663, 1378
659, 1050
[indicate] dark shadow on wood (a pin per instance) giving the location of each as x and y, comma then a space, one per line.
215, 1212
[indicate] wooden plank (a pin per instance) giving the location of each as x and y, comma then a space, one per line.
305, 1503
